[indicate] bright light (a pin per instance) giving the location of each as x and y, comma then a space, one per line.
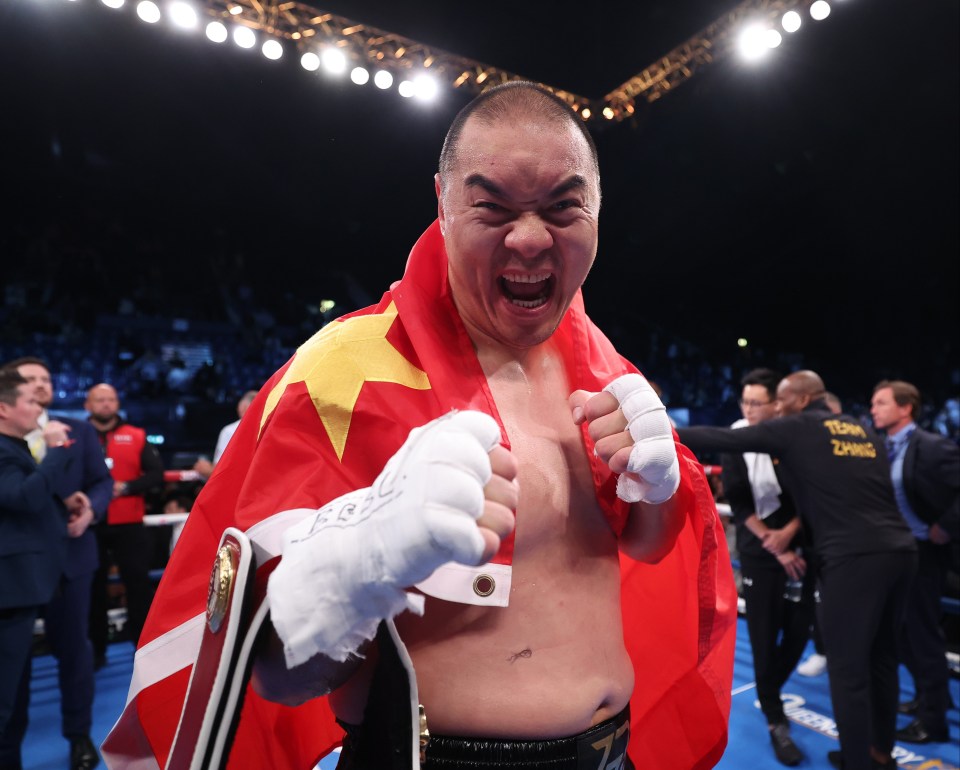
753, 42
310, 61
820, 10
236, 10
608, 113
742, 342
791, 21
405, 89
586, 113
425, 87
147, 11
216, 32
113, 3
772, 38
183, 15
244, 37
383, 79
272, 49
359, 75
333, 60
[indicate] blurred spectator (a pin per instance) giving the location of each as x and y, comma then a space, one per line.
205, 467
925, 469
136, 469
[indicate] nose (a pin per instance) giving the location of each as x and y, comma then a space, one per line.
528, 235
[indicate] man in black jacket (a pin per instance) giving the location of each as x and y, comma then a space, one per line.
837, 472
925, 470
777, 587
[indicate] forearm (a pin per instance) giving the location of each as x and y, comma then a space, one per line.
319, 676
652, 530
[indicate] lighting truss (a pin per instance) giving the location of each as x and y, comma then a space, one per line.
312, 29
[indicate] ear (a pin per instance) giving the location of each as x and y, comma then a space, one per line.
440, 213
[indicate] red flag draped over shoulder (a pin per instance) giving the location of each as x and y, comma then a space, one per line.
305, 441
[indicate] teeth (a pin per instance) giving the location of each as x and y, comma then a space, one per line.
527, 278
529, 303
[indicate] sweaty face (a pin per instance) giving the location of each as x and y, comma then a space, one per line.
885, 411
519, 217
38, 378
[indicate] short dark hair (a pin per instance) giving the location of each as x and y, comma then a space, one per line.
10, 382
904, 393
511, 99
24, 360
767, 378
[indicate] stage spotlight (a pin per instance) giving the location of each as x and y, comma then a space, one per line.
272, 49
753, 42
216, 32
148, 11
772, 38
820, 10
405, 89
608, 113
425, 87
334, 61
310, 61
585, 113
359, 75
383, 79
115, 4
791, 21
183, 15
244, 37
742, 342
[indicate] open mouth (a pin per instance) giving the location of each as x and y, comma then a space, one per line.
527, 291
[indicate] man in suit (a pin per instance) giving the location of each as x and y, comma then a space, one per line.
33, 543
86, 489
925, 470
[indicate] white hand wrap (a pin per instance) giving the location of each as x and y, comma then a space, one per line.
654, 455
345, 567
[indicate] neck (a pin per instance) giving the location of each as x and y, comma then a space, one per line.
893, 430
6, 430
104, 425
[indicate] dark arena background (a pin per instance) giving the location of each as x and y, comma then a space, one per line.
179, 215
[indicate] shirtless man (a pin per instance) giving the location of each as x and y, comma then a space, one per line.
520, 410
518, 205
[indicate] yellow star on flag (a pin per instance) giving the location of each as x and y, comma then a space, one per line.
335, 363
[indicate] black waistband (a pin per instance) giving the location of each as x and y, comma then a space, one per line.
606, 741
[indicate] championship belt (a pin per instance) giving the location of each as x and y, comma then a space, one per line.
221, 671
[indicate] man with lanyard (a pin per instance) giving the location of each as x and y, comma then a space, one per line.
925, 469
837, 473
86, 490
136, 469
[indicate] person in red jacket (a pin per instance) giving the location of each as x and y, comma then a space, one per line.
136, 468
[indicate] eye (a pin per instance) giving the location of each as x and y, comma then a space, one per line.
488, 205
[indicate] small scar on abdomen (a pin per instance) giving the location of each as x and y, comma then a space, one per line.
526, 653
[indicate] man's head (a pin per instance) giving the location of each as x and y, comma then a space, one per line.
244, 403
19, 408
797, 390
895, 404
37, 374
518, 201
103, 404
758, 398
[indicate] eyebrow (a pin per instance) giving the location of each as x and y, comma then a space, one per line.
575, 182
